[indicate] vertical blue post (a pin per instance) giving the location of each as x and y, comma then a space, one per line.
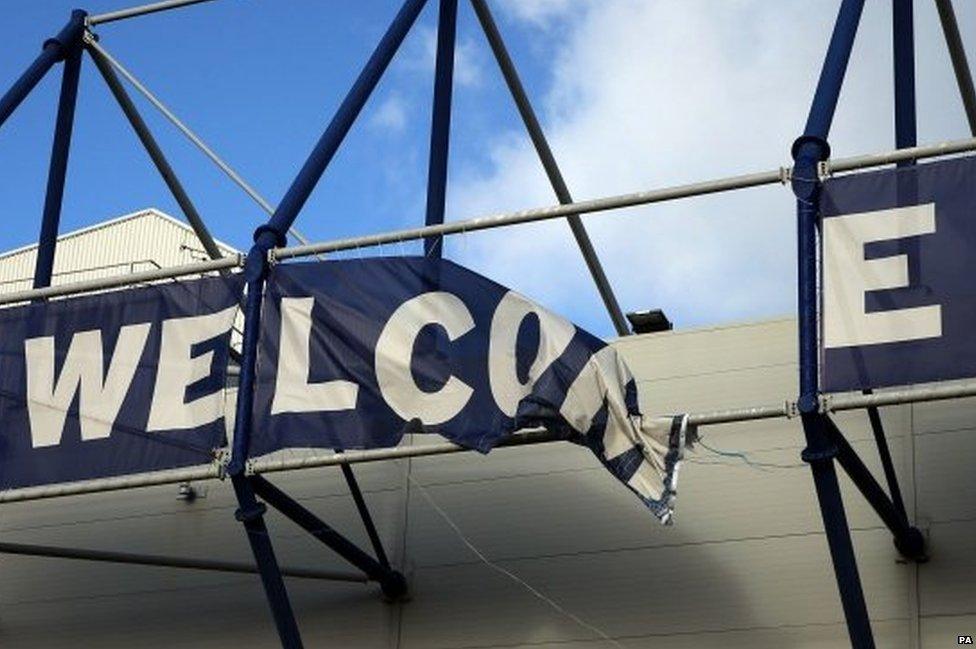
440, 128
47, 242
255, 273
808, 151
54, 50
273, 232
350, 108
266, 237
903, 35
903, 43
250, 513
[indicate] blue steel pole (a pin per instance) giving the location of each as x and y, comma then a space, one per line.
903, 32
48, 240
808, 151
250, 513
834, 67
273, 232
54, 50
255, 272
440, 128
328, 144
903, 43
821, 451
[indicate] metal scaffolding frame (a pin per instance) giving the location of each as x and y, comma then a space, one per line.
812, 164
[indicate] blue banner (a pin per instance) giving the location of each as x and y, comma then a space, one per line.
898, 289
353, 353
114, 383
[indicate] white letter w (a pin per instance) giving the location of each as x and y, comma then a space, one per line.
100, 397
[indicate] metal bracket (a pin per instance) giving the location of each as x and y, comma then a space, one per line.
823, 170
790, 409
220, 462
825, 404
785, 175
249, 467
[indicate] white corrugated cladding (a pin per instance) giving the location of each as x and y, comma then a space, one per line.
745, 566
140, 241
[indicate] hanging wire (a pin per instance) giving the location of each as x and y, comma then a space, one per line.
744, 457
508, 573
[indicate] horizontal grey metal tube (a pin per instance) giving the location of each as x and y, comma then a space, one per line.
122, 280
262, 465
837, 403
114, 483
109, 556
899, 155
141, 10
785, 409
531, 215
741, 414
616, 202
268, 465
829, 403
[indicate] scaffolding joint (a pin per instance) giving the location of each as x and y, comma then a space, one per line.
825, 404
256, 263
220, 461
785, 175
70, 37
823, 170
251, 512
807, 404
808, 152
249, 467
911, 544
394, 586
812, 455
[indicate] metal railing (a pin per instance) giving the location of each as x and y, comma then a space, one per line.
730, 183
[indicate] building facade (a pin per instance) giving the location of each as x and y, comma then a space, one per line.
745, 565
140, 241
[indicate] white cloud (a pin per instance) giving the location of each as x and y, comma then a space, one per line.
540, 12
647, 95
390, 115
468, 58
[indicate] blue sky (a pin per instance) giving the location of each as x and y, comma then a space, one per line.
635, 94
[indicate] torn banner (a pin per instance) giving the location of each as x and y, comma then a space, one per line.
353, 352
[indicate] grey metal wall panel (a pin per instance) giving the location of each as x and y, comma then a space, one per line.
946, 481
710, 350
140, 241
668, 590
745, 566
943, 631
947, 584
229, 613
944, 416
887, 633
723, 499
